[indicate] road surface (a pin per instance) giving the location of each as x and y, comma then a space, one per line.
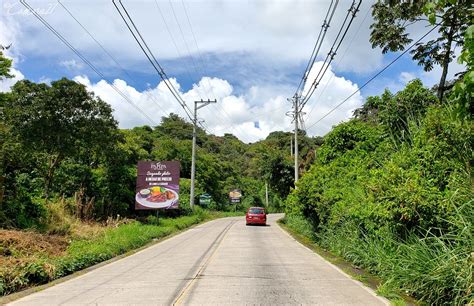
217, 263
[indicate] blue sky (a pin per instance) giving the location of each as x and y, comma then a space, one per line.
250, 55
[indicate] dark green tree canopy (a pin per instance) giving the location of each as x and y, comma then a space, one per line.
56, 122
5, 65
392, 19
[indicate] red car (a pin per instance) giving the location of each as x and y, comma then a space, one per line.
256, 215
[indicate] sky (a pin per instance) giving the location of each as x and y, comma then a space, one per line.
249, 55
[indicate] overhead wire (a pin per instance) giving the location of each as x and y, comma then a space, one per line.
117, 63
202, 62
333, 51
374, 76
85, 60
317, 45
188, 73
152, 59
154, 62
340, 60
183, 38
218, 107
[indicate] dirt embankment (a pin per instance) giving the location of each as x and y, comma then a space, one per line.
20, 246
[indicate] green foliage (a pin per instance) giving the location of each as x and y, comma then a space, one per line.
407, 106
392, 18
400, 206
5, 65
60, 140
60, 121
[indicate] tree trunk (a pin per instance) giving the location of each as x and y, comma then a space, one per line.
446, 59
52, 165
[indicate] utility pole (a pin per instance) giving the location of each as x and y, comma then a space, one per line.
297, 116
266, 194
193, 158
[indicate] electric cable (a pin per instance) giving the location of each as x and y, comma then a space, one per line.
373, 77
317, 46
84, 59
101, 46
333, 51
340, 60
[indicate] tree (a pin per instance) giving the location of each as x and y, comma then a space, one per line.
5, 65
389, 31
56, 122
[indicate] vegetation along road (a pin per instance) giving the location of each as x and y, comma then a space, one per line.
220, 262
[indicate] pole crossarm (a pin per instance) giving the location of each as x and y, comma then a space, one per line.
204, 103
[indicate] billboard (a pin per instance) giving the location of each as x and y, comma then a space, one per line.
235, 195
157, 185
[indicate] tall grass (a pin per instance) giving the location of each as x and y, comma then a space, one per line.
435, 268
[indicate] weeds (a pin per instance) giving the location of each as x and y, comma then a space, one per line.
435, 269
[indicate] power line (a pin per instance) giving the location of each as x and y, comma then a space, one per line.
373, 77
182, 36
184, 41
333, 51
188, 74
151, 58
340, 60
317, 45
219, 108
109, 54
202, 62
84, 59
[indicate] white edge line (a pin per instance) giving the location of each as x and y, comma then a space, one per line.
360, 284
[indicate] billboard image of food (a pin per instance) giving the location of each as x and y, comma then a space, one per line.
157, 185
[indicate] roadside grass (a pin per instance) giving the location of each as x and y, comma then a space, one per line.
301, 230
435, 269
21, 269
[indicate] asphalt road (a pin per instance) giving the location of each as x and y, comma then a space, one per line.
219, 262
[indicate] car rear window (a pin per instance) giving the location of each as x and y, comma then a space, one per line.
256, 211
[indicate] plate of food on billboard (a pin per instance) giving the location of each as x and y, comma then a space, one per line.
157, 185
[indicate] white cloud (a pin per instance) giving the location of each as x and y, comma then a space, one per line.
8, 38
282, 32
71, 64
406, 77
5, 84
234, 114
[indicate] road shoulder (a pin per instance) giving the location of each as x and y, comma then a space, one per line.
364, 279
